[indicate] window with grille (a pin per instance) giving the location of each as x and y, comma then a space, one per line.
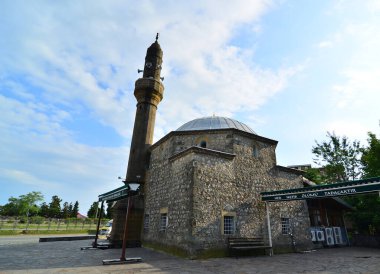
146, 222
163, 221
285, 226
228, 225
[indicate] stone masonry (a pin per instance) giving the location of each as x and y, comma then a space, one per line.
196, 186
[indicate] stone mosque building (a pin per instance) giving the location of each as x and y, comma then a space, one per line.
204, 182
201, 183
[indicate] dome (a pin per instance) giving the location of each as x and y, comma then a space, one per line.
214, 122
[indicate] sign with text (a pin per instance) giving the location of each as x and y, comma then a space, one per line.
324, 191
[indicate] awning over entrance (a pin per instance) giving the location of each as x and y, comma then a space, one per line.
324, 191
116, 194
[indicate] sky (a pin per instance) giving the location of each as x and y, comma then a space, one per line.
291, 70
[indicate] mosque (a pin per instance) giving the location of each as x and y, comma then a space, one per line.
201, 184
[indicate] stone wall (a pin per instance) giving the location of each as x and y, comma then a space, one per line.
169, 187
199, 188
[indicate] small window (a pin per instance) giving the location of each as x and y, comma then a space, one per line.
228, 225
203, 144
146, 222
163, 221
285, 226
255, 151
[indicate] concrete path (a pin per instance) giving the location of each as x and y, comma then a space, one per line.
30, 256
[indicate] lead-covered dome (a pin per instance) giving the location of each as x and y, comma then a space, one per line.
214, 122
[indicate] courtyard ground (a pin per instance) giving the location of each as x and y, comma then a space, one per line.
24, 254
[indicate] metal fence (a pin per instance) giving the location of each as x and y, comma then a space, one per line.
47, 224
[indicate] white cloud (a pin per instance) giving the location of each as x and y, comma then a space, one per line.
325, 44
360, 89
66, 59
25, 178
353, 129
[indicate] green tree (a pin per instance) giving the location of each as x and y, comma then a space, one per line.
55, 207
91, 213
366, 217
109, 211
314, 175
44, 210
94, 209
65, 210
339, 157
70, 210
371, 157
28, 202
24, 205
10, 208
75, 210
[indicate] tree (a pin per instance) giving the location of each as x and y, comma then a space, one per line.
366, 217
314, 175
109, 210
339, 157
24, 205
94, 209
346, 161
91, 213
371, 157
44, 210
28, 203
10, 208
75, 210
55, 207
70, 210
65, 210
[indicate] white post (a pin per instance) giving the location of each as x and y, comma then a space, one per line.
269, 229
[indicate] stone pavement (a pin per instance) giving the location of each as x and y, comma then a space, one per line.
27, 255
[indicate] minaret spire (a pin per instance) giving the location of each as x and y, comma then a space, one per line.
149, 92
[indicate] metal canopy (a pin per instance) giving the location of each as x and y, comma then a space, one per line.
324, 191
116, 194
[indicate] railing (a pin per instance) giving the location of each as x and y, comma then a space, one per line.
47, 224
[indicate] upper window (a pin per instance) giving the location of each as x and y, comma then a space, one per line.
285, 226
255, 151
203, 144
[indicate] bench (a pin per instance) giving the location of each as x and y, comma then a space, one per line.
248, 244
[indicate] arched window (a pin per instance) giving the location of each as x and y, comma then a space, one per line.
203, 144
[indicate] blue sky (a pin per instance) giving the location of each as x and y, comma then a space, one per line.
291, 70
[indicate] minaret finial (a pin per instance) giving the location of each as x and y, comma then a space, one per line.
157, 36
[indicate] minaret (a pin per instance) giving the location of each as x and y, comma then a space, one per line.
148, 92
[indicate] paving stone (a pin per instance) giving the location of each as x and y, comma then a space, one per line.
27, 255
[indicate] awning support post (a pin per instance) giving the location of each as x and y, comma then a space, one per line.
269, 229
95, 244
124, 246
123, 259
345, 229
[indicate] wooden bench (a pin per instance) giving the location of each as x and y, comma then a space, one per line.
248, 244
